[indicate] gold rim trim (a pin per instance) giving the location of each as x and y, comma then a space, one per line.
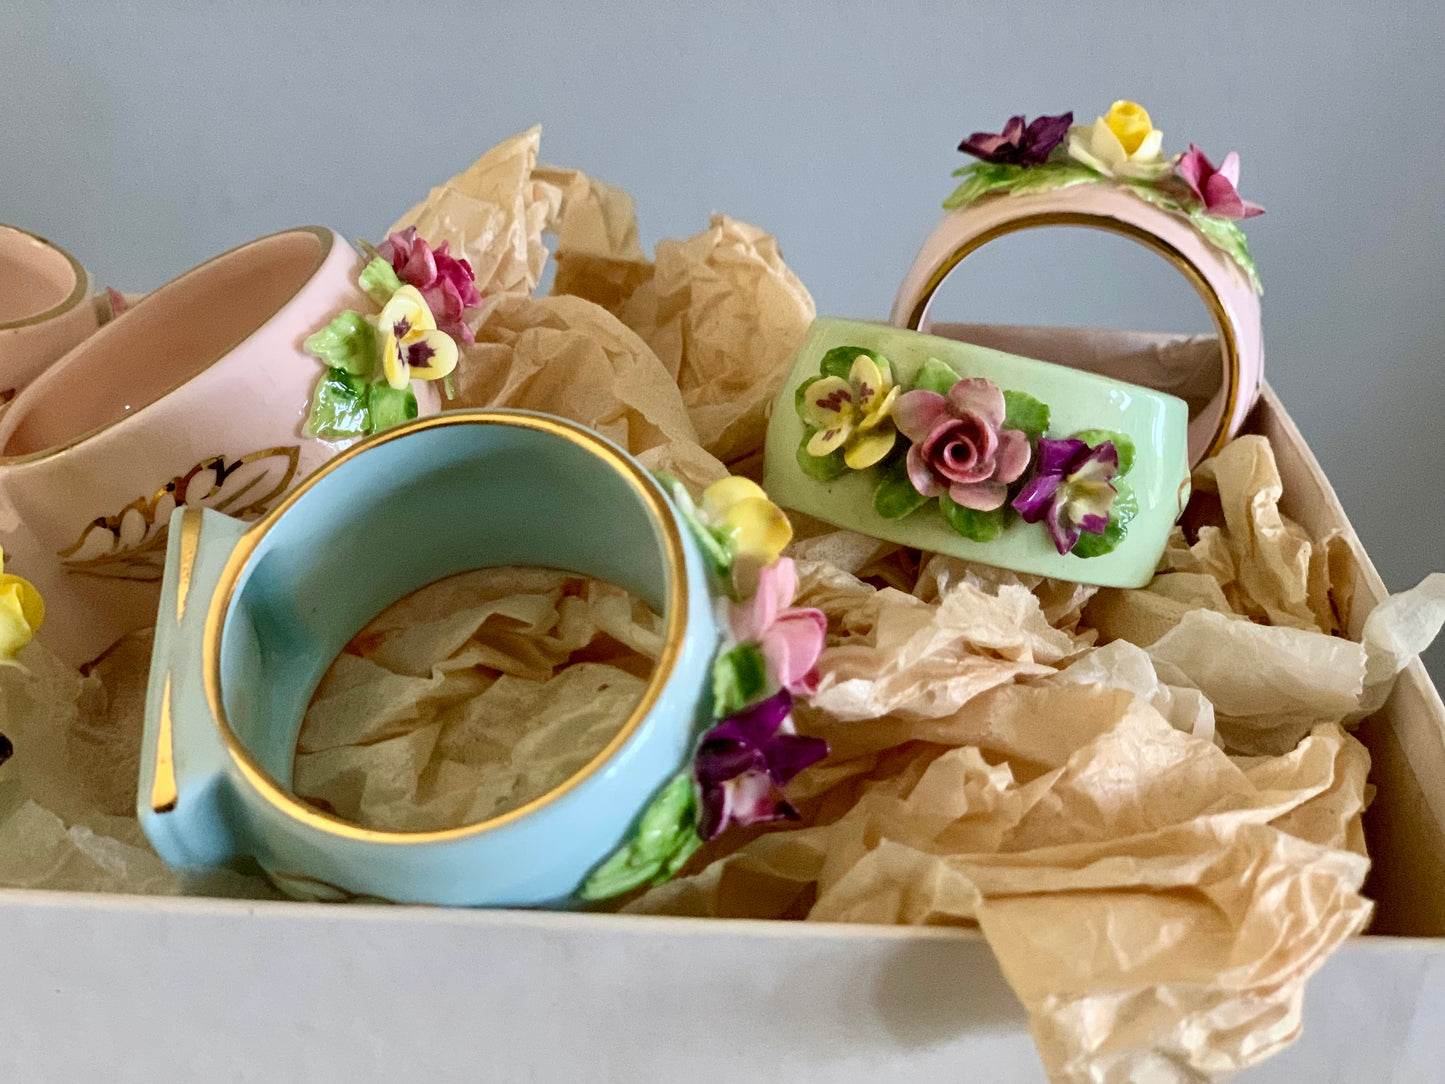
79, 292
321, 233
1224, 326
190, 539
288, 804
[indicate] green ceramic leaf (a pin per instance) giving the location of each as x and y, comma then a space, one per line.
935, 376
339, 407
978, 526
1227, 236
379, 281
1123, 444
1150, 192
980, 178
665, 838
738, 676
894, 497
1023, 411
1051, 175
1126, 506
390, 407
348, 343
822, 467
839, 360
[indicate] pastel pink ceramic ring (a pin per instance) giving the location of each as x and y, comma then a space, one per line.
195, 396
45, 307
1225, 288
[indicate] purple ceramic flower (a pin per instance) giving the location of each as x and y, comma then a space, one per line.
1216, 187
959, 445
1018, 145
744, 761
1071, 490
445, 281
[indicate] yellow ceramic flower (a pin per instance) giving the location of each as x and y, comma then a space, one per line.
740, 509
1122, 143
854, 414
411, 345
21, 612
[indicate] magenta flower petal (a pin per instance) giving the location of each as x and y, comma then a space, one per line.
1036, 496
791, 648
1013, 454
1064, 534
1058, 456
1042, 136
979, 397
1018, 144
1094, 524
980, 496
1216, 188
753, 727
1097, 465
915, 413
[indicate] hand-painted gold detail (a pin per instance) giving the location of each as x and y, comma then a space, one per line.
1223, 323
669, 535
144, 558
164, 794
190, 538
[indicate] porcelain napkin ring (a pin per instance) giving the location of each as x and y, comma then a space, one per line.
1112, 175
252, 616
958, 449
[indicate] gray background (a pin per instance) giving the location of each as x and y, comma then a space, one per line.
146, 139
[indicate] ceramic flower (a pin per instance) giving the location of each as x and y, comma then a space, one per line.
959, 445
1122, 143
1018, 145
740, 510
411, 345
1072, 489
22, 611
853, 414
743, 763
1216, 187
446, 281
790, 638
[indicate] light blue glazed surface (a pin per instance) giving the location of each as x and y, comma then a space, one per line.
387, 518
1157, 423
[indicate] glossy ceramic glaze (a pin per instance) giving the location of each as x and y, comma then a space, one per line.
196, 396
1224, 287
45, 307
251, 619
1156, 423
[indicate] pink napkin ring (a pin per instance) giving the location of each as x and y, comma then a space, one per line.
45, 307
1112, 176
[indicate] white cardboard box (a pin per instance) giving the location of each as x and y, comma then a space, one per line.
124, 988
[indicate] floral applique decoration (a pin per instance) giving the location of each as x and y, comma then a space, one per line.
768, 658
371, 359
22, 611
981, 456
1122, 147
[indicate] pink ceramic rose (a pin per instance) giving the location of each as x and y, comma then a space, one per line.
445, 281
959, 444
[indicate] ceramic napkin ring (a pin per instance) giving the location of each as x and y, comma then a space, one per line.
1112, 175
959, 449
221, 389
251, 618
45, 307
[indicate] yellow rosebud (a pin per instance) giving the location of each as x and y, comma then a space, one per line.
22, 611
758, 528
1129, 121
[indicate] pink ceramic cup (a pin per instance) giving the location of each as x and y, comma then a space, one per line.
45, 307
1231, 298
195, 396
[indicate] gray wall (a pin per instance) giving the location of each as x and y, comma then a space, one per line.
148, 138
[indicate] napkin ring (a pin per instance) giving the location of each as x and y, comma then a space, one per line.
252, 616
1112, 176
958, 449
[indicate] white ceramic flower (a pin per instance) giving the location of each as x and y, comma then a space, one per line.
1122, 143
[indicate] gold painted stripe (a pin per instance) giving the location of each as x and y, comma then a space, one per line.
164, 794
190, 537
